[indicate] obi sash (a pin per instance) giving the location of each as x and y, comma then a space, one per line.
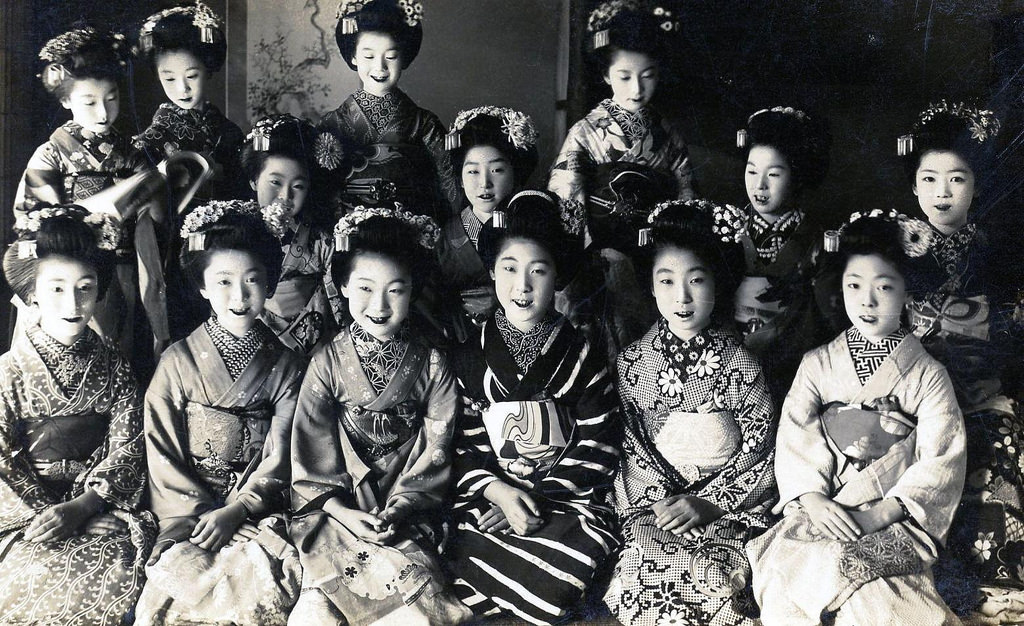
864, 435
392, 172
968, 317
698, 444
377, 433
59, 446
226, 442
750, 313
621, 196
528, 437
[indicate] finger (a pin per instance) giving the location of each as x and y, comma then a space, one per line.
839, 532
200, 527
502, 525
531, 504
204, 535
846, 520
52, 534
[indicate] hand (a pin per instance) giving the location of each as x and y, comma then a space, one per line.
493, 521
245, 532
104, 524
366, 526
519, 508
470, 406
685, 516
396, 511
158, 549
878, 516
830, 518
217, 527
62, 520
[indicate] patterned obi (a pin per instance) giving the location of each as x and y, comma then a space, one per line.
528, 436
864, 435
968, 317
479, 303
751, 314
224, 441
698, 444
81, 185
393, 172
376, 434
621, 195
58, 447
293, 293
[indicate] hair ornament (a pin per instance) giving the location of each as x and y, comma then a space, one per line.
348, 9
327, 151
916, 236
517, 126
106, 228
982, 123
57, 51
349, 225
742, 135
729, 221
203, 18
196, 222
600, 17
264, 129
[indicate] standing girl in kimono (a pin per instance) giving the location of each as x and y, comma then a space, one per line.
218, 425
963, 319
287, 163
618, 162
72, 465
696, 479
495, 150
537, 446
370, 444
869, 459
398, 148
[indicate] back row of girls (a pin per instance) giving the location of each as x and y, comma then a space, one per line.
461, 383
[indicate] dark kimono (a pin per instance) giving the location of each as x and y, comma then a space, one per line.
464, 287
549, 425
72, 421
397, 155
218, 424
700, 422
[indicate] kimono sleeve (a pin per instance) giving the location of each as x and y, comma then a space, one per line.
447, 181
679, 164
43, 180
572, 165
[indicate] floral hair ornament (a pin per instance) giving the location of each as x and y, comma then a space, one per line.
982, 123
327, 151
349, 225
198, 221
57, 50
517, 126
349, 9
741, 134
203, 18
600, 19
916, 236
729, 220
106, 228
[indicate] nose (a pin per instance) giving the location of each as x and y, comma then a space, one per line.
522, 283
762, 181
637, 86
379, 303
286, 193
239, 293
683, 294
71, 303
487, 183
868, 300
944, 189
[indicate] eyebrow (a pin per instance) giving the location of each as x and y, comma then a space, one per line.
187, 69
303, 176
770, 167
957, 169
498, 160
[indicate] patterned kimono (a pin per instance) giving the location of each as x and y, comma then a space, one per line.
399, 154
464, 285
306, 306
218, 421
549, 426
72, 420
700, 422
832, 442
373, 424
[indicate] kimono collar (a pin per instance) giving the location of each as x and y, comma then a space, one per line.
868, 356
68, 364
379, 109
769, 238
379, 359
950, 250
701, 356
237, 352
472, 224
525, 347
634, 125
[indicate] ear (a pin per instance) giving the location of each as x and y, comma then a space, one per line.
252, 185
607, 79
914, 187
344, 291
66, 103
203, 293
491, 271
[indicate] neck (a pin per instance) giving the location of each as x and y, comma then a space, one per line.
686, 334
483, 216
62, 339
237, 329
377, 91
949, 229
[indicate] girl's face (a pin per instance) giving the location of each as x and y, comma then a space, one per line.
684, 289
524, 279
874, 294
769, 182
378, 62
633, 77
487, 179
94, 103
183, 77
235, 283
66, 291
379, 292
282, 178
944, 186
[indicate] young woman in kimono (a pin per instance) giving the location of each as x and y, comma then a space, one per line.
963, 318
537, 446
218, 426
287, 163
617, 163
495, 150
869, 459
72, 465
370, 444
696, 478
397, 147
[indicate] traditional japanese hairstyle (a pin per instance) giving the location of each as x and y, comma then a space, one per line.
633, 25
233, 225
402, 19
195, 28
890, 234
66, 230
390, 231
957, 127
82, 53
509, 131
802, 139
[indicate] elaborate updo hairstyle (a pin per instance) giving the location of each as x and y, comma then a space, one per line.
195, 29
401, 19
630, 25
82, 53
952, 127
68, 231
510, 132
803, 140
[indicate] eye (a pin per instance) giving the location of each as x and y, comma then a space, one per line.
752, 172
957, 179
508, 268
85, 288
364, 289
498, 170
192, 76
274, 182
473, 172
223, 282
852, 286
540, 271
666, 281
928, 178
885, 287
392, 56
299, 186
697, 280
398, 291
58, 290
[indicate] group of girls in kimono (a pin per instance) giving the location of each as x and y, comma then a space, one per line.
357, 372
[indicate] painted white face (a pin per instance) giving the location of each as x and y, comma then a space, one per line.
944, 186
282, 179
524, 279
874, 293
183, 77
684, 290
235, 283
379, 293
94, 104
378, 62
487, 179
769, 182
66, 292
633, 77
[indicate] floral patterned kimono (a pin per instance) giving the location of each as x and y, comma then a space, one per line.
400, 154
306, 305
699, 421
72, 420
373, 424
218, 421
464, 285
549, 425
835, 439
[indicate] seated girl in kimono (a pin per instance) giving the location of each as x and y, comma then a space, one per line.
73, 465
371, 453
287, 163
869, 458
962, 315
397, 147
696, 478
218, 425
495, 150
538, 444
618, 162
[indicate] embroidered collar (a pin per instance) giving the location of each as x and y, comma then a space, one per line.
472, 224
700, 356
66, 363
525, 347
100, 146
769, 238
379, 109
379, 359
634, 125
951, 250
237, 352
867, 356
